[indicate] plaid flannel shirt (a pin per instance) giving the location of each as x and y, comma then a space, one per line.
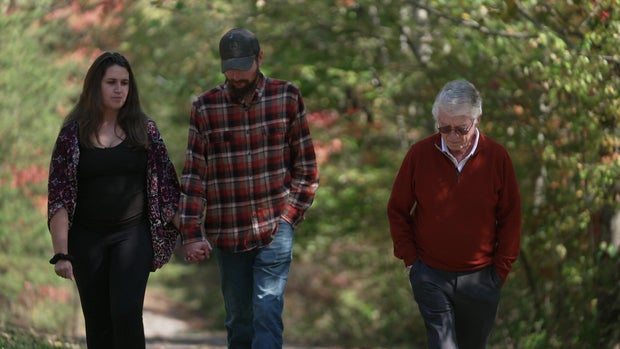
246, 166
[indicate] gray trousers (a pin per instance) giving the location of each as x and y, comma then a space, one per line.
458, 308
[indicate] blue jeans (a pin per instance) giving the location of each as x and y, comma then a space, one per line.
253, 286
458, 308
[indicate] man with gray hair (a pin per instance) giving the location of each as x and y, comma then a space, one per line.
455, 221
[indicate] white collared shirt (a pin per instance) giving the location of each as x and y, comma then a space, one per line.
460, 165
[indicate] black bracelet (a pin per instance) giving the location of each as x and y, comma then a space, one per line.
61, 256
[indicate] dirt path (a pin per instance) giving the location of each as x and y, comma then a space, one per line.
166, 326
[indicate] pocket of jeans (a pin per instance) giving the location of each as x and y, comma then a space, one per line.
414, 267
495, 277
282, 224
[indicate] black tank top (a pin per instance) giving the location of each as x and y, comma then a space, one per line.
111, 187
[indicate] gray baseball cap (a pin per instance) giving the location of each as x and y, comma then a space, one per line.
238, 49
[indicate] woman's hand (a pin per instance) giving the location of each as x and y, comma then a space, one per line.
64, 269
196, 252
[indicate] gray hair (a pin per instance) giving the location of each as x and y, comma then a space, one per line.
458, 97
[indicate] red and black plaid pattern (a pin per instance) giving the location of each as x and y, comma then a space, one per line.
246, 166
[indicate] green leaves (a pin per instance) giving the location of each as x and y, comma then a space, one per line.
548, 73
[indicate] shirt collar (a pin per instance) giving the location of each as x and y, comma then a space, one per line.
444, 149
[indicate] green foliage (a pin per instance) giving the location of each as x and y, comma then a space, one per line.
20, 338
31, 298
34, 88
369, 71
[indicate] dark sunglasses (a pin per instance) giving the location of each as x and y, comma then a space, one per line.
460, 130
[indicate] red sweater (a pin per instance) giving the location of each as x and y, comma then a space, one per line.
462, 221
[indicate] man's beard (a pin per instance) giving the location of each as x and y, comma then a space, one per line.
238, 93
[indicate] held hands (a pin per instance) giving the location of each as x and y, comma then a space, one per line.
196, 252
64, 269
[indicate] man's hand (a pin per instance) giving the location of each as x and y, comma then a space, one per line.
196, 252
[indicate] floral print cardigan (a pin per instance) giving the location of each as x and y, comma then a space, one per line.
162, 187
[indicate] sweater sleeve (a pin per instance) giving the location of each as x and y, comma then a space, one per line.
62, 181
400, 209
508, 221
168, 186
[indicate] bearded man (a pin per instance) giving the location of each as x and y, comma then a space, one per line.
250, 174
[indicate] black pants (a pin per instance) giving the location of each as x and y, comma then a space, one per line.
458, 308
111, 271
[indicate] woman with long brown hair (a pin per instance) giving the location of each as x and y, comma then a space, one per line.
112, 195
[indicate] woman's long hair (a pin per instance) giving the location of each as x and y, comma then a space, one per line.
88, 112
